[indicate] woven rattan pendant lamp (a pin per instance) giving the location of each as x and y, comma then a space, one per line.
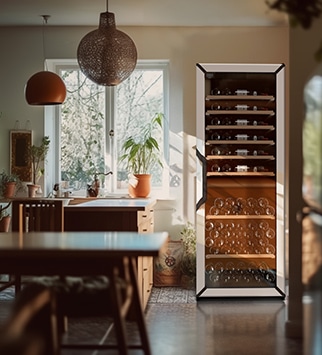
107, 56
45, 87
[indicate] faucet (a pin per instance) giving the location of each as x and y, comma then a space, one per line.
93, 189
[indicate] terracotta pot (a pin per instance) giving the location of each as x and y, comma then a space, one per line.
140, 185
9, 190
5, 224
32, 190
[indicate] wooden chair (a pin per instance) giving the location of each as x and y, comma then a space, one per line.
7, 284
32, 326
36, 215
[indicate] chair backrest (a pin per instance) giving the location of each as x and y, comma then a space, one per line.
37, 215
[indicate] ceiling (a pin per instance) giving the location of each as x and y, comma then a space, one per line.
141, 12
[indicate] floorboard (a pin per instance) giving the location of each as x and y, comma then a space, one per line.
177, 324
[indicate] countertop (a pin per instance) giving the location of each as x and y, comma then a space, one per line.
109, 204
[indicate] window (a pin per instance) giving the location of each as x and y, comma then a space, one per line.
94, 121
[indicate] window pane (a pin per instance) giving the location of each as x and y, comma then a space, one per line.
91, 111
137, 100
82, 138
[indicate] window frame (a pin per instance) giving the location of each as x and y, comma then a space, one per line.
52, 127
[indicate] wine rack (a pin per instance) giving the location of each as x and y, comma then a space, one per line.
240, 169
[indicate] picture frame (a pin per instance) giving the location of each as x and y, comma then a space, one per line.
20, 164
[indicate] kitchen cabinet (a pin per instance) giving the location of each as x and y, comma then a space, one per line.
240, 180
116, 215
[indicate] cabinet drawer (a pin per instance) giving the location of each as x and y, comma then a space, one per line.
146, 227
147, 281
145, 221
144, 216
147, 262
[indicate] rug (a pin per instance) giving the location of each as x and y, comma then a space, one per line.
172, 295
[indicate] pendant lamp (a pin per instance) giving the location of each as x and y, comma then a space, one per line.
107, 56
45, 87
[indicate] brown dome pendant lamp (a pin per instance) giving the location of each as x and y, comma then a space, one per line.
45, 87
106, 55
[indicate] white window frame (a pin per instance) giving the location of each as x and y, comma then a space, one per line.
52, 126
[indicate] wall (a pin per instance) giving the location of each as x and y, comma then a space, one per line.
22, 55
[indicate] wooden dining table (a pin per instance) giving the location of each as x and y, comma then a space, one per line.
88, 253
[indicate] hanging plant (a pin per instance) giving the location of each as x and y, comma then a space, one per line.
301, 12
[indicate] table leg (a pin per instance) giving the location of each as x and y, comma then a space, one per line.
137, 307
17, 283
116, 301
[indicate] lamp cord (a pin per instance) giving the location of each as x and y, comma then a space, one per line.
44, 23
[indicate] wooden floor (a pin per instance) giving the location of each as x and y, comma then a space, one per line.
177, 324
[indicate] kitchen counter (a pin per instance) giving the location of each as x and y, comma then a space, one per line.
107, 214
110, 203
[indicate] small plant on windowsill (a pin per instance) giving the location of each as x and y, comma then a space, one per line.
188, 262
141, 153
9, 184
37, 155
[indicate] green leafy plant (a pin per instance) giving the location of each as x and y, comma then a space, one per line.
188, 262
6, 178
142, 152
301, 12
37, 155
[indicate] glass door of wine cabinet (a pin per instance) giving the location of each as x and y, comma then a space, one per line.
240, 180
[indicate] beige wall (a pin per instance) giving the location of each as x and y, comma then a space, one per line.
22, 55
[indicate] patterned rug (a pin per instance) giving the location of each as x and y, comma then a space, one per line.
172, 295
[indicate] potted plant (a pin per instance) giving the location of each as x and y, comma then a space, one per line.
188, 261
8, 184
141, 153
4, 218
37, 154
